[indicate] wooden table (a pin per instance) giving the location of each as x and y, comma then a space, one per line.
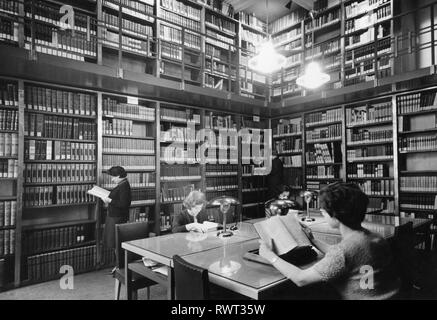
223, 257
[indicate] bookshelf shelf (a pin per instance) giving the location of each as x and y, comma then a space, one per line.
8, 198
142, 203
176, 178
370, 159
73, 246
418, 172
289, 153
323, 178
370, 178
55, 225
60, 161
369, 124
59, 139
60, 205
322, 124
126, 137
3, 106
28, 184
8, 157
137, 153
171, 202
129, 169
418, 209
110, 116
7, 227
8, 131
428, 110
418, 131
311, 164
417, 151
90, 117
324, 140
369, 142
286, 135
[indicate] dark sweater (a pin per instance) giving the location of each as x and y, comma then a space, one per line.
121, 200
183, 218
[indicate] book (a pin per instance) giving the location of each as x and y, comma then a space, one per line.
290, 242
99, 192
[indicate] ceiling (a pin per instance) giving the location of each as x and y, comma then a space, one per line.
276, 8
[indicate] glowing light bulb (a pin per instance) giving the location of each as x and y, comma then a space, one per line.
313, 77
267, 60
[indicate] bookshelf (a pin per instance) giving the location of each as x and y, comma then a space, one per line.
288, 142
416, 122
324, 148
369, 139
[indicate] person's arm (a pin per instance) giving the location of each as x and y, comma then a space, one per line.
179, 224
299, 276
320, 245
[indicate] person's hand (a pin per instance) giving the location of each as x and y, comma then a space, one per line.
307, 232
266, 251
196, 227
107, 200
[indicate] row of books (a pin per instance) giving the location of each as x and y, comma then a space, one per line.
418, 143
165, 222
292, 34
8, 168
287, 127
55, 238
172, 52
178, 134
217, 121
219, 22
357, 8
181, 8
323, 48
128, 25
59, 172
9, 31
61, 194
221, 183
57, 127
364, 54
127, 128
324, 117
7, 242
290, 144
377, 188
8, 144
139, 214
8, 94
287, 21
332, 131
418, 184
59, 150
175, 172
375, 113
293, 60
376, 204
48, 265
113, 107
49, 13
219, 6
323, 153
8, 213
136, 180
140, 47
358, 40
364, 135
143, 6
175, 194
292, 161
323, 19
132, 163
8, 119
223, 169
368, 170
127, 146
143, 194
427, 202
173, 155
219, 40
179, 115
60, 101
417, 102
368, 20
176, 36
370, 151
323, 172
9, 6
51, 41
180, 20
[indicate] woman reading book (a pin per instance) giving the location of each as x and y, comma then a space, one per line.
193, 215
118, 202
344, 206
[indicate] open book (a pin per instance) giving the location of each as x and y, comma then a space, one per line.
99, 192
291, 243
210, 225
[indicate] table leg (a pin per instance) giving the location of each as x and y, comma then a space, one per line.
127, 276
170, 284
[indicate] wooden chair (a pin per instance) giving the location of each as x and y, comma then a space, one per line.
129, 232
191, 282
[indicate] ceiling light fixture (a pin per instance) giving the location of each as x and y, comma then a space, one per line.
313, 76
267, 60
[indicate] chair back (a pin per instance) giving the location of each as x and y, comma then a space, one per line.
403, 250
129, 232
191, 282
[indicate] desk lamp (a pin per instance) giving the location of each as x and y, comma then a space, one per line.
280, 206
224, 203
308, 196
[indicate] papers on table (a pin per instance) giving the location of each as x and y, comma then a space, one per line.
162, 270
149, 263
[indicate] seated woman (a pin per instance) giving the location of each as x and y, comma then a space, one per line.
192, 215
360, 266
284, 194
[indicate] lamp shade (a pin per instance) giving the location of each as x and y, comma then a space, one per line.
223, 200
313, 77
280, 206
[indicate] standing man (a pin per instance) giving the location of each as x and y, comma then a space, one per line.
275, 178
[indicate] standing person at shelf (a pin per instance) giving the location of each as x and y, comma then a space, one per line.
192, 215
276, 176
118, 202
284, 194
344, 206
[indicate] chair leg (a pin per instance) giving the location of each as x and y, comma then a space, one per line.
117, 289
148, 293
